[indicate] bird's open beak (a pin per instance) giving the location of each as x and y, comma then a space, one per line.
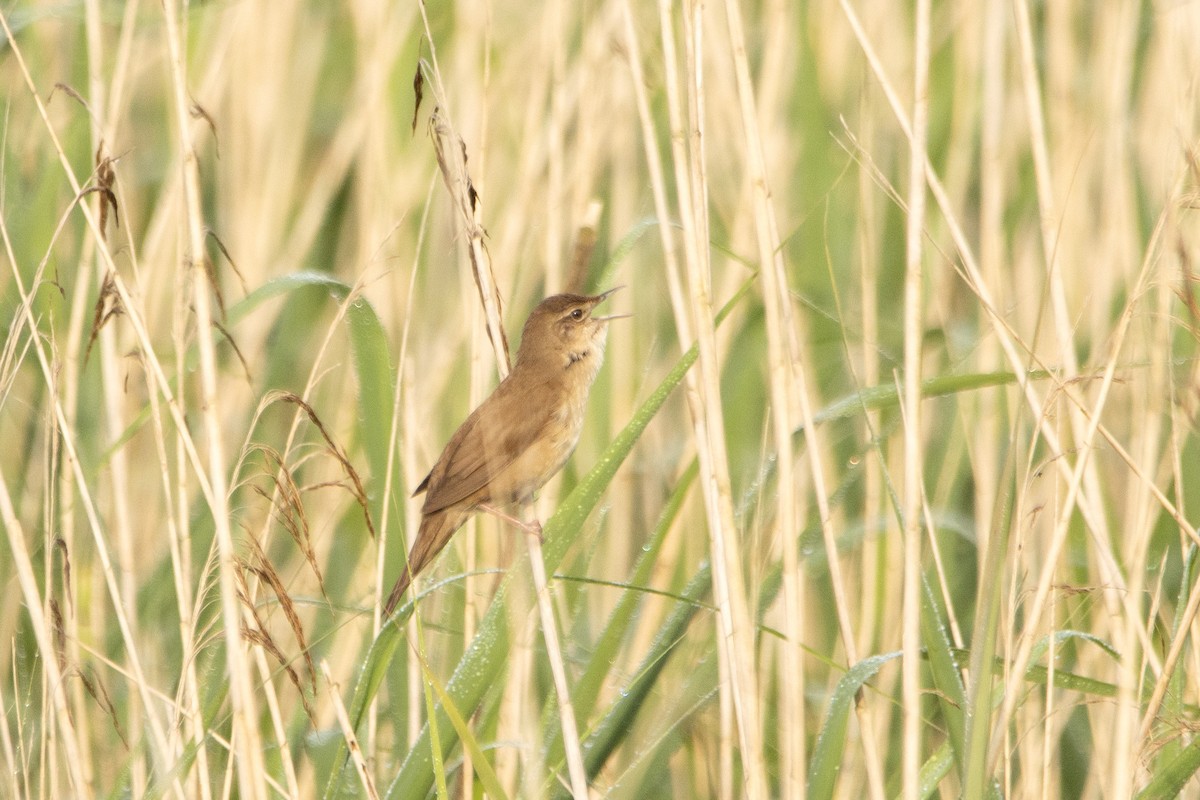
601, 298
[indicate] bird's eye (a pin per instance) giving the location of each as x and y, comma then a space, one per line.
577, 314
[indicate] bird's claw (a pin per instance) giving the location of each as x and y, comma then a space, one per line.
532, 526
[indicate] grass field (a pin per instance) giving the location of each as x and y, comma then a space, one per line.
888, 487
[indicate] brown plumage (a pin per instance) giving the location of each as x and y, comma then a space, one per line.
521, 435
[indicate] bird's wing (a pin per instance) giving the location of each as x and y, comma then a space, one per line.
480, 450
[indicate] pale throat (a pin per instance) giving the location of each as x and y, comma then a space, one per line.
589, 358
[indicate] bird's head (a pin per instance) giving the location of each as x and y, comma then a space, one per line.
564, 330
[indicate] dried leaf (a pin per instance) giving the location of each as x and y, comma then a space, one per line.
418, 95
108, 305
198, 112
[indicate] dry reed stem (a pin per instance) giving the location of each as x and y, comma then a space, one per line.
683, 310
280, 480
782, 358
1120, 775
360, 763
987, 457
110, 363
574, 753
873, 563
555, 186
1034, 610
278, 723
737, 627
680, 306
189, 716
914, 330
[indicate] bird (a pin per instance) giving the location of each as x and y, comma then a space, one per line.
521, 435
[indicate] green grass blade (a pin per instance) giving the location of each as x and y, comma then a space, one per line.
934, 770
607, 648
1172, 704
612, 729
944, 669
439, 764
826, 760
1168, 781
483, 768
643, 776
884, 395
984, 635
603, 281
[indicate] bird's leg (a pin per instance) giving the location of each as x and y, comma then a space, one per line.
534, 527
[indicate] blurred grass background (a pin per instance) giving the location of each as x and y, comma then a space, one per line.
163, 641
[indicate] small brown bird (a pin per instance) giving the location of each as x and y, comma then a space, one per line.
522, 434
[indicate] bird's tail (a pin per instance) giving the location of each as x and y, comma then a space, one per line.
436, 530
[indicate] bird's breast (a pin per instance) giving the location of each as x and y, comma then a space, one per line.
548, 451
561, 436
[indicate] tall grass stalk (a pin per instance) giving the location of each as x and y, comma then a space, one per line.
914, 479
